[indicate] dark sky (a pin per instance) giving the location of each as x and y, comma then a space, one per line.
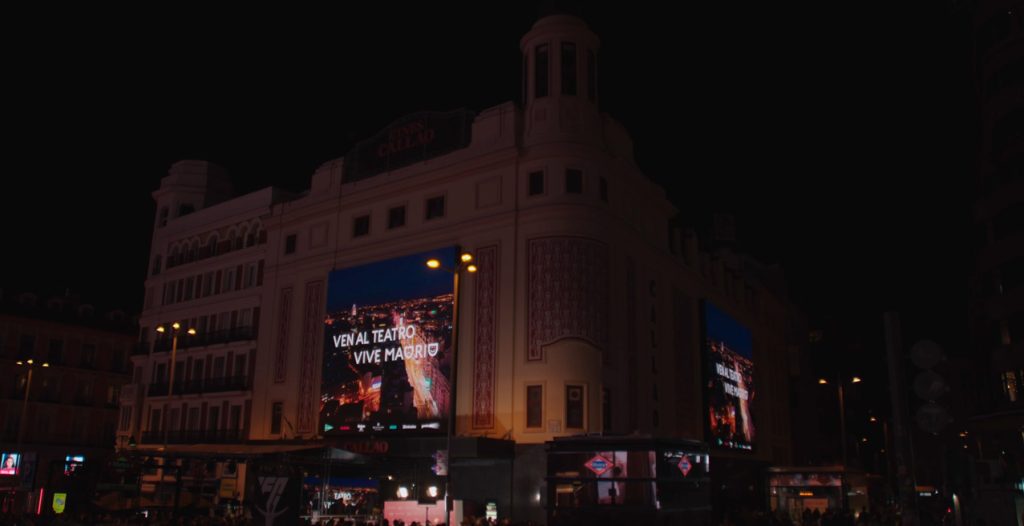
840, 135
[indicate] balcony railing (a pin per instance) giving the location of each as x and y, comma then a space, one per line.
209, 385
196, 436
207, 338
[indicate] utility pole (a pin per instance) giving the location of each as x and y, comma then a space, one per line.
902, 450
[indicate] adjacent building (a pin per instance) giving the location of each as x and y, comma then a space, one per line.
63, 363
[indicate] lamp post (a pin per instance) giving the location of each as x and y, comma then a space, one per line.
175, 331
465, 262
31, 364
842, 411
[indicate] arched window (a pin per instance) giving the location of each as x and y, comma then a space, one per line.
239, 238
250, 236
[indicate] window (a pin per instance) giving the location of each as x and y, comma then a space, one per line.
536, 183
289, 244
396, 217
56, 356
250, 275
163, 217
591, 76
435, 207
540, 72
534, 406
275, 418
126, 417
574, 181
27, 346
1010, 385
361, 226
156, 265
574, 406
213, 420
88, 354
154, 420
603, 186
568, 68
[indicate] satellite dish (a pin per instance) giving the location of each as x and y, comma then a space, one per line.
928, 385
932, 417
926, 354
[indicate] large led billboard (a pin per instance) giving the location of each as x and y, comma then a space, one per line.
388, 347
729, 380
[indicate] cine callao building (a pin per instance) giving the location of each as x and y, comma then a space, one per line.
589, 314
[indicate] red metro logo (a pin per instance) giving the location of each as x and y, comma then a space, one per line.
598, 465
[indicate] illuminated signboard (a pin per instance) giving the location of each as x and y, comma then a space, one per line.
387, 347
729, 380
10, 463
72, 463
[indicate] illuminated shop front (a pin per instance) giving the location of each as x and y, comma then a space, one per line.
794, 489
616, 479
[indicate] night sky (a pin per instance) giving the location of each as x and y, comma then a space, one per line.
841, 136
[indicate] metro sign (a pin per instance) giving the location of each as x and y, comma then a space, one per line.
598, 465
685, 466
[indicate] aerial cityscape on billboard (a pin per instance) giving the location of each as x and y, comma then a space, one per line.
387, 347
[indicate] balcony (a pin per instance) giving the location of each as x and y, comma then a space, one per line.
207, 338
196, 436
210, 385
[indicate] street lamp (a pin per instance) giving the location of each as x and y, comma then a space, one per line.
175, 330
465, 263
31, 364
842, 411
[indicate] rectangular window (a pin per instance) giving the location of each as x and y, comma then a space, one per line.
250, 275
574, 406
435, 207
540, 72
126, 417
190, 285
275, 418
213, 418
56, 356
396, 217
574, 181
536, 183
1010, 385
289, 244
27, 346
603, 185
361, 226
591, 76
88, 354
568, 68
534, 406
154, 420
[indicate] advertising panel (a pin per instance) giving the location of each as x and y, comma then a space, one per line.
388, 347
729, 380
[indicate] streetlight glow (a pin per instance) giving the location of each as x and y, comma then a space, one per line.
160, 329
192, 332
433, 263
466, 257
175, 325
855, 379
45, 364
822, 381
471, 268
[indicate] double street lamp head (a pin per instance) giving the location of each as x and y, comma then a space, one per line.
176, 326
30, 362
465, 261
